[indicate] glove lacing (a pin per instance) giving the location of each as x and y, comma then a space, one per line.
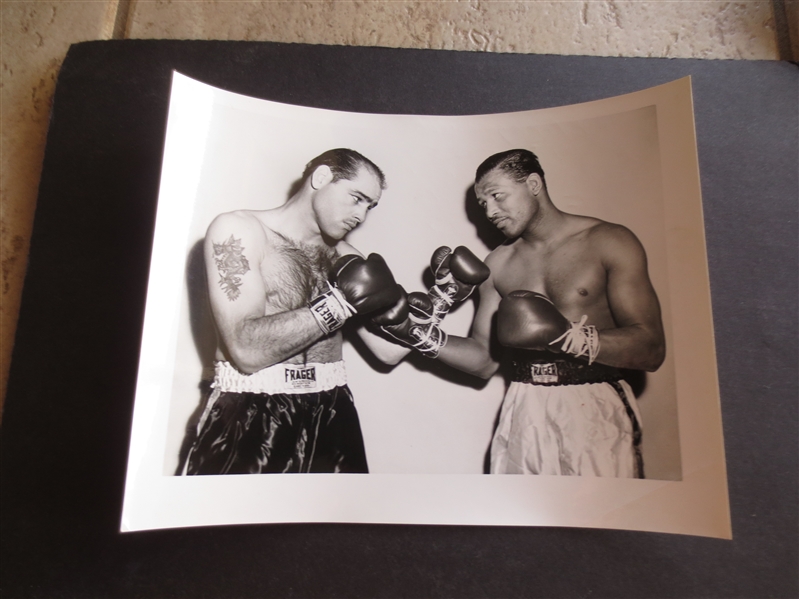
580, 340
430, 337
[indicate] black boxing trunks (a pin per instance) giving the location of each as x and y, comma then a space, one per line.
297, 430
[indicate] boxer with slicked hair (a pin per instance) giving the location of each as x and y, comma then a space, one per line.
282, 282
570, 302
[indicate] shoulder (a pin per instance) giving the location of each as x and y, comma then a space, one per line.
498, 256
240, 229
345, 249
237, 220
613, 242
601, 232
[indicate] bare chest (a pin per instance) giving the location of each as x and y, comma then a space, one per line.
572, 276
293, 274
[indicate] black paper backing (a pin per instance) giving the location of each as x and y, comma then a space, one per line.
68, 411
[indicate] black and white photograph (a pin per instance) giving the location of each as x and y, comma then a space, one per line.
405, 308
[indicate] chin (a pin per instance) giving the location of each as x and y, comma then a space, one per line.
507, 231
336, 235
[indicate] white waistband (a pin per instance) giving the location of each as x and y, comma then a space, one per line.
281, 378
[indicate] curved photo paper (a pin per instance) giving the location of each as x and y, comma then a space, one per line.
497, 319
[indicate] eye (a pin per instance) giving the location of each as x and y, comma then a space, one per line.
372, 206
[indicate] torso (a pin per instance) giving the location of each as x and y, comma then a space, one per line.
570, 272
294, 273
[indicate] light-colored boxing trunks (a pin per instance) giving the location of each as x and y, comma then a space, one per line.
587, 429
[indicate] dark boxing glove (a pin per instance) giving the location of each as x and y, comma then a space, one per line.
419, 330
456, 274
357, 286
529, 320
396, 314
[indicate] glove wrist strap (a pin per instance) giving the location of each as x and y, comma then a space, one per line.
331, 310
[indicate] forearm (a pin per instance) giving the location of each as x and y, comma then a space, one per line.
261, 342
633, 347
469, 355
384, 350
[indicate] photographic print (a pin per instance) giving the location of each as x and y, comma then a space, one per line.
378, 318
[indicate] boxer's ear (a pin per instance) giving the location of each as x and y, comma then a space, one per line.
534, 183
321, 176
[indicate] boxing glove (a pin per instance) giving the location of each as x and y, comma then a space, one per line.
419, 330
456, 275
356, 286
395, 314
529, 320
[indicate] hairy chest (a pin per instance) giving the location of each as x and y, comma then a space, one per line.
294, 273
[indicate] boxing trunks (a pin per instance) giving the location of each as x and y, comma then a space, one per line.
564, 417
285, 418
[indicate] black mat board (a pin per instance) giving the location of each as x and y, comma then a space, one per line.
67, 418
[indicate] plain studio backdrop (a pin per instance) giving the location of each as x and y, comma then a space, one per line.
421, 417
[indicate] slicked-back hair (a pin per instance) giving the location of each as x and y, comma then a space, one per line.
344, 164
519, 164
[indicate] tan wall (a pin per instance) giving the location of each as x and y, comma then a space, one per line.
36, 35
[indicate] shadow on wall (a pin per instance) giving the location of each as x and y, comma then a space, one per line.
203, 333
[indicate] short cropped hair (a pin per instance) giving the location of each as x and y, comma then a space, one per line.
344, 164
519, 164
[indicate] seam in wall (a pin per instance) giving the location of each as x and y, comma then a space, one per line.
121, 20
782, 31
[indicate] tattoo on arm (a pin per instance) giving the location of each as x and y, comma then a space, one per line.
231, 264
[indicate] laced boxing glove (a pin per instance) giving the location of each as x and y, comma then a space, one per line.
529, 320
356, 286
456, 274
419, 330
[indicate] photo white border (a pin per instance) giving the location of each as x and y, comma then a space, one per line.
697, 504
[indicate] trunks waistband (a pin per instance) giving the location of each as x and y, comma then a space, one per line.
562, 372
281, 378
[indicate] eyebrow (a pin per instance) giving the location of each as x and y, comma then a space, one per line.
363, 196
487, 190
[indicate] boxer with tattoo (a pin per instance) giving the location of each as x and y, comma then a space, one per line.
282, 282
570, 301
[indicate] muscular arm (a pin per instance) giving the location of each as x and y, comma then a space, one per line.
638, 341
235, 248
473, 354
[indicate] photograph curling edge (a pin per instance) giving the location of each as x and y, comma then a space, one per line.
427, 428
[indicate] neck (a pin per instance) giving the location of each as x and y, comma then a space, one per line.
297, 218
545, 224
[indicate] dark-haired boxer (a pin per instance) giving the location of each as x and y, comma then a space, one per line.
282, 282
570, 300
